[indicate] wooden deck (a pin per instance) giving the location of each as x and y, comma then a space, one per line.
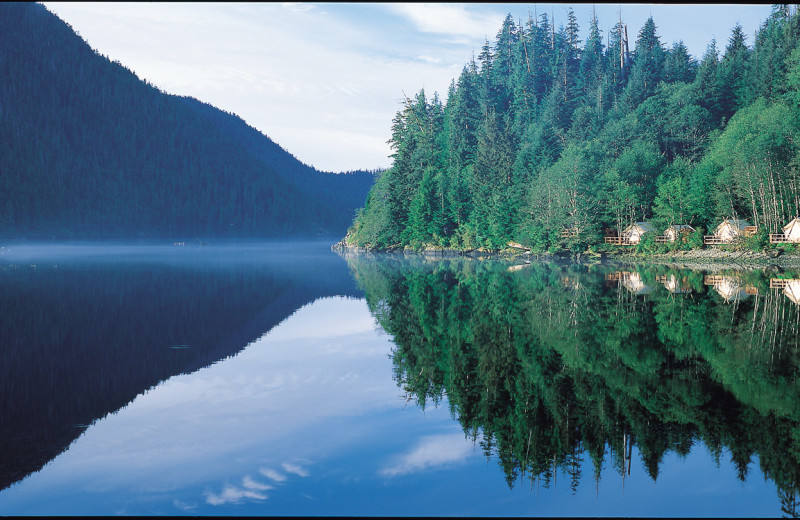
781, 238
618, 241
779, 283
714, 240
716, 279
618, 275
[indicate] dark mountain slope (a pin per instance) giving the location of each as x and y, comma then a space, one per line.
345, 192
89, 150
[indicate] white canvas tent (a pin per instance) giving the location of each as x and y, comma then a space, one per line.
731, 289
675, 286
673, 232
633, 282
792, 290
792, 230
731, 229
633, 234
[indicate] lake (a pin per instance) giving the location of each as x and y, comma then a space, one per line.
285, 379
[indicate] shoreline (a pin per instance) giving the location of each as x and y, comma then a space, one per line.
710, 258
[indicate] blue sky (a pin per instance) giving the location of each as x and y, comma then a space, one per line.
324, 80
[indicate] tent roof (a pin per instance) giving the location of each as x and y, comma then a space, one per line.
644, 226
794, 222
740, 223
678, 227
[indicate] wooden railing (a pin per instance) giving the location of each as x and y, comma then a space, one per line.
617, 276
715, 279
748, 231
663, 239
617, 241
714, 240
778, 238
777, 283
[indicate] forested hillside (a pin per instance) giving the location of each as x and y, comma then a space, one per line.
544, 133
88, 150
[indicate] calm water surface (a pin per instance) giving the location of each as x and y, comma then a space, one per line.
283, 379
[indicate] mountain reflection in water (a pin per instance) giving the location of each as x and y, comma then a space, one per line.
545, 364
86, 329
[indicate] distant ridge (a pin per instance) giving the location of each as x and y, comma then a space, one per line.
88, 150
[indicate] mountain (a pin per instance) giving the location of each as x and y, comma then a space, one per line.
88, 150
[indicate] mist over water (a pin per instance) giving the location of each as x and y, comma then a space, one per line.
267, 251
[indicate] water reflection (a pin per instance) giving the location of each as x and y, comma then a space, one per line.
790, 286
85, 329
552, 363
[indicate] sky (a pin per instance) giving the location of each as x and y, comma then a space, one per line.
324, 80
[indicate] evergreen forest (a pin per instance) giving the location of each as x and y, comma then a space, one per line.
553, 142
88, 150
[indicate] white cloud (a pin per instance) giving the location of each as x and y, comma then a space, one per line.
429, 59
250, 483
295, 469
272, 474
450, 19
297, 6
232, 495
432, 452
185, 506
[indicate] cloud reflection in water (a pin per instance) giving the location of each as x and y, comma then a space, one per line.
296, 396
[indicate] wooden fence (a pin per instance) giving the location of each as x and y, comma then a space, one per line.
714, 240
778, 283
618, 241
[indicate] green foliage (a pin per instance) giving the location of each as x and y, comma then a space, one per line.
695, 240
758, 241
553, 361
550, 144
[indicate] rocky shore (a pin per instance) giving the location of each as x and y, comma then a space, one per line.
716, 258
711, 258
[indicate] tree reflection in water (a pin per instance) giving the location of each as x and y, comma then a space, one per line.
555, 362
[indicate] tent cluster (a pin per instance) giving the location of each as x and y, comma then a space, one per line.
731, 288
729, 230
634, 234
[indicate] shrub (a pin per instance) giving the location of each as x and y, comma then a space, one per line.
757, 241
695, 240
